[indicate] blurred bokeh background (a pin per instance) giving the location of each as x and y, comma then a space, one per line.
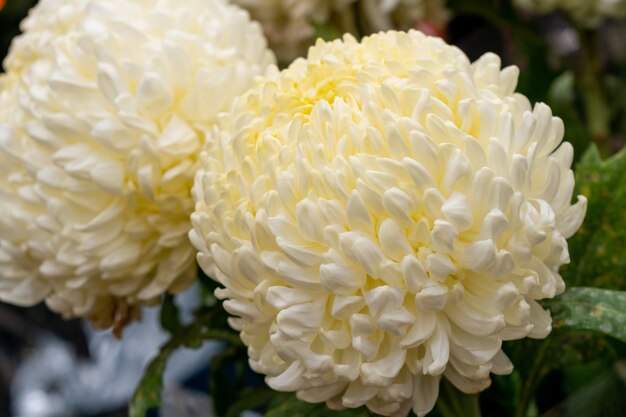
50, 367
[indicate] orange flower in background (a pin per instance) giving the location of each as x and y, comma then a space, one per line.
2, 2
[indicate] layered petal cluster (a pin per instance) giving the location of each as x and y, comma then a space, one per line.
589, 13
289, 24
103, 106
383, 214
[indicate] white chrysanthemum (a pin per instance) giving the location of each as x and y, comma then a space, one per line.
382, 214
587, 12
288, 24
103, 104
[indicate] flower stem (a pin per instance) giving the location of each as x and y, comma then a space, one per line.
225, 335
530, 384
591, 89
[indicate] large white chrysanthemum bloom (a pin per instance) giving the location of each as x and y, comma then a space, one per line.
103, 105
289, 24
383, 214
588, 13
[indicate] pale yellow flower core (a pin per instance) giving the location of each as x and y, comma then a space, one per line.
103, 105
383, 214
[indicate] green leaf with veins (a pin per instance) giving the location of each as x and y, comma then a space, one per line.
598, 249
591, 309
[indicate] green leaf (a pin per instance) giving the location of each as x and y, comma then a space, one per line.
148, 393
287, 405
598, 249
170, 315
592, 309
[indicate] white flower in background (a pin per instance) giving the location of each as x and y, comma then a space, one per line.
404, 14
589, 13
383, 214
289, 24
103, 106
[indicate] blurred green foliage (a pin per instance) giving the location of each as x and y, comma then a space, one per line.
573, 373
597, 249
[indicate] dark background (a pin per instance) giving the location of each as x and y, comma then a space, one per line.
20, 327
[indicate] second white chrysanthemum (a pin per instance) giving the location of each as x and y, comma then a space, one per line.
383, 214
103, 105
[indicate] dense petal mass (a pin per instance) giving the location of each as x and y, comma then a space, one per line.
383, 214
589, 13
102, 108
